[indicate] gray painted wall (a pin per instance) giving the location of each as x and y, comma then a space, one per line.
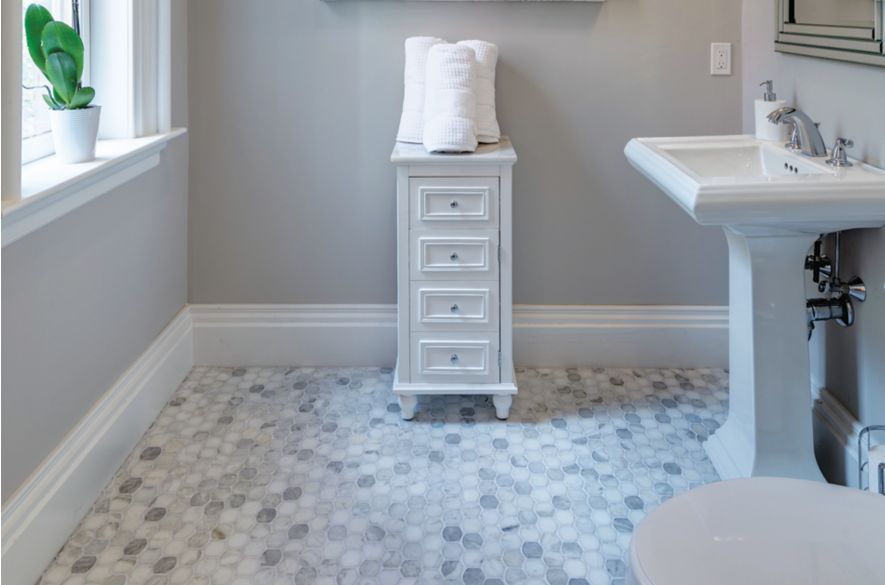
84, 296
293, 117
849, 101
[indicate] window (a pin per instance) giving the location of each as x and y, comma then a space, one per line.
128, 62
36, 134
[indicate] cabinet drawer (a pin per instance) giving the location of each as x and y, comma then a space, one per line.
464, 202
467, 306
455, 358
462, 254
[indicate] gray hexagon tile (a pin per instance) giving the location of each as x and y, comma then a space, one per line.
309, 476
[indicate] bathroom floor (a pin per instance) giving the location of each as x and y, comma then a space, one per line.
308, 475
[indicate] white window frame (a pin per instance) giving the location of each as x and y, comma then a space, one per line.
138, 77
41, 145
37, 147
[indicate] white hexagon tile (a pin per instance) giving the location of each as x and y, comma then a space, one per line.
309, 476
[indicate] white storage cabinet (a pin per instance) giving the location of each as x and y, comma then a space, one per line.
454, 274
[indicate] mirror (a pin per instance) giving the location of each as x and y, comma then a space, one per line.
846, 30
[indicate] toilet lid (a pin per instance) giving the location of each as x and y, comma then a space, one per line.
763, 531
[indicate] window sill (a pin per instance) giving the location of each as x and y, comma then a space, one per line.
51, 189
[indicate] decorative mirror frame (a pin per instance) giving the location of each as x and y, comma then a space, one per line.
843, 43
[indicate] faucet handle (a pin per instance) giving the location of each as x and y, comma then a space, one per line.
840, 153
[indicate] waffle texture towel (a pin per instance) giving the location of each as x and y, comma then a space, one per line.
411, 123
450, 99
487, 128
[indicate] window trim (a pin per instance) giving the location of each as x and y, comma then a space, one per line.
53, 190
36, 147
145, 86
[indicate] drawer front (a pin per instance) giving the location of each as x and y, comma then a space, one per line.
461, 202
455, 255
471, 306
455, 358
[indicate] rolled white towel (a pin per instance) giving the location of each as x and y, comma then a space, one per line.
411, 123
487, 128
450, 99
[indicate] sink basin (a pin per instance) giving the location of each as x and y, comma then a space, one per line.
772, 203
741, 181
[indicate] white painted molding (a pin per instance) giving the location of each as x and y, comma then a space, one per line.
11, 101
836, 437
839, 421
131, 65
636, 336
550, 336
51, 189
310, 335
39, 517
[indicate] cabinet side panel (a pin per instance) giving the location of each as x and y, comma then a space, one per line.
402, 273
506, 271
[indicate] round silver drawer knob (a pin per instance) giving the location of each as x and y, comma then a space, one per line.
455, 308
453, 204
453, 256
454, 359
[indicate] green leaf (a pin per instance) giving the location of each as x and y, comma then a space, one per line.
36, 19
59, 37
82, 97
53, 105
61, 70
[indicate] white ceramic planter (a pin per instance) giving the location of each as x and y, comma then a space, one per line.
74, 133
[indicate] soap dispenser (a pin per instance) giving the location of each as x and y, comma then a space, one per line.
765, 130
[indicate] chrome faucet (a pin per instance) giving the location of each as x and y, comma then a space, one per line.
810, 142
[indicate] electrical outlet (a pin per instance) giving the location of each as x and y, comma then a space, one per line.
720, 59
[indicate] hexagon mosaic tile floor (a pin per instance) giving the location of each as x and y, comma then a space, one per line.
308, 475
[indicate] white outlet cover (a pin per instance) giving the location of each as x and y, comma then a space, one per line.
720, 59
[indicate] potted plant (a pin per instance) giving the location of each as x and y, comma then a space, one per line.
57, 51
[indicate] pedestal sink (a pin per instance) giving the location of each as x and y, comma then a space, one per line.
772, 204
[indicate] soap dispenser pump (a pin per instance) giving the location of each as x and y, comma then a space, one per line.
765, 130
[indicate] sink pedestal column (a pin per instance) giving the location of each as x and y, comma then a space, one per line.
769, 425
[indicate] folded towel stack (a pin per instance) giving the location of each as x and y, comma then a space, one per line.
411, 124
450, 100
487, 129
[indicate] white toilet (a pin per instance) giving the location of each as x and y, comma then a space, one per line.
762, 531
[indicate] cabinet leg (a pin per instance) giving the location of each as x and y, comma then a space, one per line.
502, 404
407, 403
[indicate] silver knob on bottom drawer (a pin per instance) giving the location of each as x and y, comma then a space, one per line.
453, 256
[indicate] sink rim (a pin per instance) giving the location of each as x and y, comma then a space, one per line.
860, 173
838, 199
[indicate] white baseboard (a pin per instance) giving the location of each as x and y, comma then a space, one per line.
835, 437
547, 336
40, 516
294, 335
621, 336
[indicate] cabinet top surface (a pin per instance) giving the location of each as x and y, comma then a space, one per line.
501, 153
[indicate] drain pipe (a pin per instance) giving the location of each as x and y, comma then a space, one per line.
837, 307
